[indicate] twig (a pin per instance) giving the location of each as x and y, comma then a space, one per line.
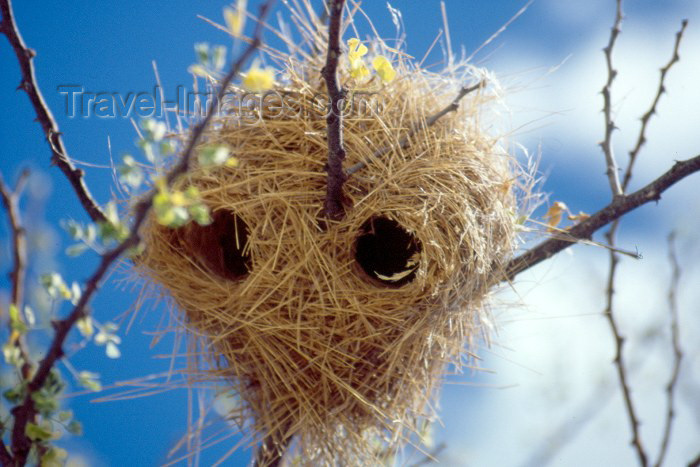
26, 411
619, 356
641, 138
404, 141
59, 155
611, 233
333, 204
606, 145
675, 343
10, 199
616, 209
695, 462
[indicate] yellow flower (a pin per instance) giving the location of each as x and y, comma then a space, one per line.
384, 69
358, 70
235, 19
259, 79
357, 50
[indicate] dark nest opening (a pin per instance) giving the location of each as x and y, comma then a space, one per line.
387, 252
221, 246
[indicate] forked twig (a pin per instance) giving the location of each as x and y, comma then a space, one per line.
661, 89
610, 234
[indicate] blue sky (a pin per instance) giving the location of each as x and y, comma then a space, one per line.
549, 61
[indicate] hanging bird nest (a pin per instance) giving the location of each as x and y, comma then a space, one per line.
337, 334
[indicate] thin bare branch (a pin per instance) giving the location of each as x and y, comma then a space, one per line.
606, 145
641, 138
26, 411
10, 199
616, 209
333, 205
59, 155
619, 359
611, 233
430, 121
676, 345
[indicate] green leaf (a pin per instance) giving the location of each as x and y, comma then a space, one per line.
89, 380
39, 433
16, 322
200, 214
219, 57
16, 394
74, 229
65, 415
213, 155
12, 354
55, 286
45, 403
29, 316
112, 350
75, 292
77, 249
130, 175
111, 212
54, 457
201, 49
167, 147
75, 428
154, 131
85, 327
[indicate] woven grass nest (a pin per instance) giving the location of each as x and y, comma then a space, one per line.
338, 336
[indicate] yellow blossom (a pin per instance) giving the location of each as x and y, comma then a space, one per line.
356, 51
235, 19
259, 79
384, 69
178, 199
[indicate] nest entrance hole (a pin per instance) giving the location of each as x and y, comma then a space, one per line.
387, 252
222, 246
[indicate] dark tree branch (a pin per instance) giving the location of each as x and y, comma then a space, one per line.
616, 209
59, 155
403, 142
676, 345
10, 199
26, 411
333, 204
